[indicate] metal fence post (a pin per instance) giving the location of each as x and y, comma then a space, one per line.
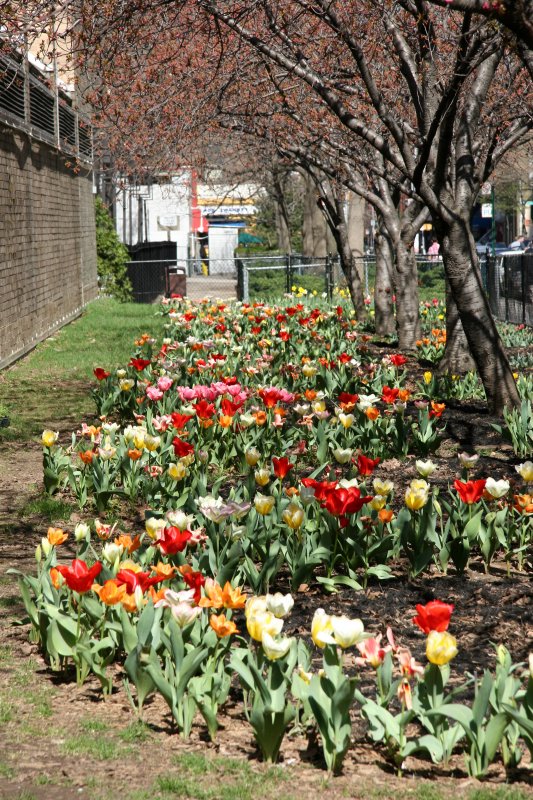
288, 273
523, 275
506, 286
329, 276
245, 284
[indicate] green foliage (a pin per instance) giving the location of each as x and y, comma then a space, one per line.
112, 256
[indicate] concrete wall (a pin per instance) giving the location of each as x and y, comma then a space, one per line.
47, 242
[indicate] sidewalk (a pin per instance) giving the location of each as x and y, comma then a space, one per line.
212, 286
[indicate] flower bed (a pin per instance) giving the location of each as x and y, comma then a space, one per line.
251, 438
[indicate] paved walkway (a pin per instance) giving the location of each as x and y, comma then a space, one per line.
212, 286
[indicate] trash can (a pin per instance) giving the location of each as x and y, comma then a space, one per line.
176, 281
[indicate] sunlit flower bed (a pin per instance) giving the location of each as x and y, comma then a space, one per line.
251, 437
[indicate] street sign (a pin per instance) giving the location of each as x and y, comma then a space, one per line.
486, 210
486, 188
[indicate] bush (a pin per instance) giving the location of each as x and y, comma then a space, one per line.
112, 256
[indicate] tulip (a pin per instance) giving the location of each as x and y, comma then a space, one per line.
434, 616
275, 648
264, 503
252, 456
126, 384
346, 420
383, 488
425, 468
415, 499
471, 491
112, 552
154, 526
49, 438
254, 605
468, 461
82, 531
378, 502
342, 456
79, 577
279, 604
263, 621
348, 632
110, 593
293, 516
56, 536
525, 471
427, 377
281, 466
223, 627
151, 442
496, 489
177, 471
262, 476
441, 647
322, 629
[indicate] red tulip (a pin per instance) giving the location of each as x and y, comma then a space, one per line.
79, 577
398, 360
182, 448
179, 421
434, 616
320, 488
389, 394
204, 410
139, 363
471, 491
100, 374
133, 579
365, 465
194, 580
172, 540
281, 466
340, 502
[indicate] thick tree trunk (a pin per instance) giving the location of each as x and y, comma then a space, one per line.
457, 359
314, 237
462, 271
383, 287
407, 305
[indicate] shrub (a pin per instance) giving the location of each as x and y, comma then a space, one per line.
112, 256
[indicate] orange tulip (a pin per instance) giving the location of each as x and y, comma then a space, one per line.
134, 454
386, 515
260, 417
372, 413
158, 595
310, 394
56, 536
56, 578
129, 544
404, 395
110, 593
225, 421
129, 603
523, 503
222, 626
165, 571
233, 597
214, 597
86, 456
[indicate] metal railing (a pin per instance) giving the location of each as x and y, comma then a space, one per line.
28, 103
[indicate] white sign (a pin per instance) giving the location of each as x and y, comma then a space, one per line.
486, 188
168, 221
486, 210
229, 211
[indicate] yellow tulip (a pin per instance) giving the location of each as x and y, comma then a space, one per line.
252, 456
177, 471
49, 438
264, 503
428, 377
322, 629
415, 498
293, 516
263, 622
262, 476
441, 647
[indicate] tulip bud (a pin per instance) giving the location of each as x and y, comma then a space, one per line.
279, 604
262, 476
82, 531
441, 647
203, 456
49, 438
46, 547
38, 554
252, 456
264, 503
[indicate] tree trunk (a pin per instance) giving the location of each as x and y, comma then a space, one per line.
462, 271
383, 287
457, 359
407, 306
282, 214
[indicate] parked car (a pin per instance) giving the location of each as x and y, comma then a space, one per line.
485, 243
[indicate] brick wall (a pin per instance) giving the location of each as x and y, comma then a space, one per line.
47, 242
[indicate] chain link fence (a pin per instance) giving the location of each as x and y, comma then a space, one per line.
508, 281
